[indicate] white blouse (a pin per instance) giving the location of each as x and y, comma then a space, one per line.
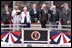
23, 17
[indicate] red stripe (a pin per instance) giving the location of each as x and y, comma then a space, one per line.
64, 39
17, 33
1, 22
11, 23
12, 38
68, 33
2, 36
55, 36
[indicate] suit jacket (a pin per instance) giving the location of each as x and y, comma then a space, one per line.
34, 15
44, 16
65, 15
54, 17
5, 17
23, 17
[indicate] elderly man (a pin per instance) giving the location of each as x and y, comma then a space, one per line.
34, 13
44, 16
54, 18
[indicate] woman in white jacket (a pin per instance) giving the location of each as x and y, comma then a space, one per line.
25, 18
14, 11
16, 20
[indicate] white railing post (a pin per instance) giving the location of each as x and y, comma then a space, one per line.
22, 39
49, 29
14, 4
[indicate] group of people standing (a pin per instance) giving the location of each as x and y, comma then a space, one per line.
35, 15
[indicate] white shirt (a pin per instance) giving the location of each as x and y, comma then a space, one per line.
66, 8
35, 11
23, 17
54, 11
13, 13
16, 19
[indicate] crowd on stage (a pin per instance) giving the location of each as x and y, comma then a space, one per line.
43, 15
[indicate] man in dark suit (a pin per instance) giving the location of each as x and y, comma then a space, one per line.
44, 16
54, 12
34, 13
65, 15
6, 15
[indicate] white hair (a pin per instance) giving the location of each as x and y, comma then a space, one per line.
43, 6
25, 8
53, 6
